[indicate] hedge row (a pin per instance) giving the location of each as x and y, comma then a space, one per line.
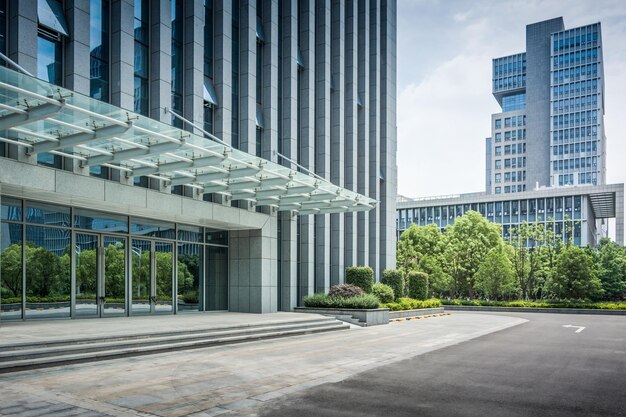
540, 304
321, 300
412, 304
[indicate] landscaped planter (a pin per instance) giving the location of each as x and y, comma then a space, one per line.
360, 317
415, 313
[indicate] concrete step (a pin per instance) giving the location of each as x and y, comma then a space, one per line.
156, 339
4, 347
63, 357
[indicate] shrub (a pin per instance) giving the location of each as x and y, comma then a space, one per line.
411, 304
384, 292
345, 291
418, 285
361, 276
321, 300
540, 304
394, 279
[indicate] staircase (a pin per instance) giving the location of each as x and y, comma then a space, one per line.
42, 354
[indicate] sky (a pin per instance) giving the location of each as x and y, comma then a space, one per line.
445, 48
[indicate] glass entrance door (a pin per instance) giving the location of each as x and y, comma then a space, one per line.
141, 293
152, 284
86, 252
113, 288
164, 278
100, 275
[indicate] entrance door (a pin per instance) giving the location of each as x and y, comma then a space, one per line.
152, 285
100, 275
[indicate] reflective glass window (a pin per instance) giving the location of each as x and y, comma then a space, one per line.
99, 49
95, 220
11, 209
48, 282
11, 271
47, 214
216, 237
153, 228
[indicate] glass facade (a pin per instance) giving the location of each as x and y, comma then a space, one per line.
61, 262
514, 102
142, 56
576, 107
177, 60
99, 49
509, 73
556, 213
209, 49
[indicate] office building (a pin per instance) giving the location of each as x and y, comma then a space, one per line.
166, 156
547, 149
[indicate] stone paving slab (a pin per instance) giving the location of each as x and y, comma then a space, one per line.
12, 332
230, 380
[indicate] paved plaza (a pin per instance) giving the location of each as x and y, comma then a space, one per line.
227, 380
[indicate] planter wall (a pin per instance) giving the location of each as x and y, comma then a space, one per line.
363, 318
415, 313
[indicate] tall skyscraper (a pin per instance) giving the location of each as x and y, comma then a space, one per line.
550, 132
546, 157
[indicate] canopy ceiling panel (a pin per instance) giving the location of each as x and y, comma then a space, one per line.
42, 117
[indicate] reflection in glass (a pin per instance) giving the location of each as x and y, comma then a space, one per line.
141, 288
190, 268
99, 49
217, 278
11, 271
114, 284
48, 280
153, 228
11, 209
47, 214
49, 58
94, 220
163, 272
86, 253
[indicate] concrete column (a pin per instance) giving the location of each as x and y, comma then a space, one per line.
374, 137
337, 60
322, 138
22, 23
160, 60
363, 130
388, 135
351, 126
193, 46
306, 145
252, 269
269, 79
223, 71
122, 54
288, 133
77, 62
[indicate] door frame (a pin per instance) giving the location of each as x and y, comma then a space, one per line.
153, 275
100, 273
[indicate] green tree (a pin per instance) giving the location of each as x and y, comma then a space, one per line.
575, 276
439, 281
495, 277
468, 240
611, 269
418, 242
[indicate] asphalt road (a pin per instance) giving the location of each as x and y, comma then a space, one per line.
539, 368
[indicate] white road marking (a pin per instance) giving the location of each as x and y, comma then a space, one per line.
580, 328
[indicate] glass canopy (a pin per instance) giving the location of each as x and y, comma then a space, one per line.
42, 117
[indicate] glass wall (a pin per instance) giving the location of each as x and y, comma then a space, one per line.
142, 56
99, 49
122, 265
